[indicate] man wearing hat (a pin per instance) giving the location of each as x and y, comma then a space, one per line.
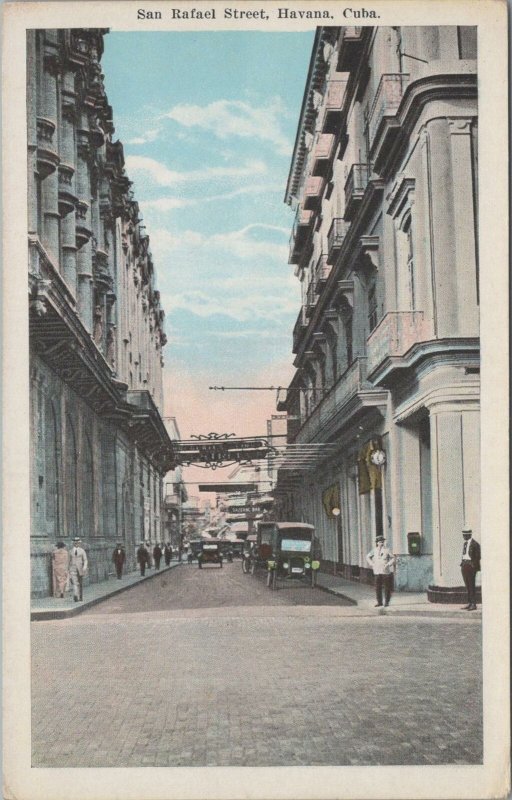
470, 565
381, 560
143, 558
119, 557
77, 568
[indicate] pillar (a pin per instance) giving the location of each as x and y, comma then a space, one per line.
455, 453
464, 226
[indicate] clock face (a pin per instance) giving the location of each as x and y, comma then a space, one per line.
378, 457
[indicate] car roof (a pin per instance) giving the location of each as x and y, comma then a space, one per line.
282, 526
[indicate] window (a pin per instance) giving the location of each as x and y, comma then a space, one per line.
467, 40
372, 307
347, 324
409, 257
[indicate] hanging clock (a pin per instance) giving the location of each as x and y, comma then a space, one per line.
378, 458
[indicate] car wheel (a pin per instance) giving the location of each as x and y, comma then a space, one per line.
221, 564
313, 577
245, 568
253, 567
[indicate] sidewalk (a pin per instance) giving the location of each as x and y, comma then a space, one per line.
46, 608
402, 603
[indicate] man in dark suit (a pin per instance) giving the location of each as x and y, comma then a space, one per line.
119, 557
470, 565
157, 555
143, 558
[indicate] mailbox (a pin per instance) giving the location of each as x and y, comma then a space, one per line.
414, 543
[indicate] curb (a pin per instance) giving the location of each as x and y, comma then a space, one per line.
65, 613
402, 612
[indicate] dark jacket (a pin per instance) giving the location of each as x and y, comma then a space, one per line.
157, 553
474, 554
119, 556
142, 555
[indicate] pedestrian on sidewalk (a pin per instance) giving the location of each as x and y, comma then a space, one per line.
470, 565
119, 557
78, 566
143, 558
167, 554
382, 560
60, 569
157, 555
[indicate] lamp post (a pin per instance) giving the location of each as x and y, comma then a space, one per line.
336, 512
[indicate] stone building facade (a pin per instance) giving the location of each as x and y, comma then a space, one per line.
384, 182
99, 445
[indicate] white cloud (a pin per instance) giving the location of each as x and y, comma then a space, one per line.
227, 118
161, 175
240, 244
169, 203
148, 136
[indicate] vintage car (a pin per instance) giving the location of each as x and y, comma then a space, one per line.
194, 548
210, 553
293, 552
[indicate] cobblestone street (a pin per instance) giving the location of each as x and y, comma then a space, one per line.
209, 667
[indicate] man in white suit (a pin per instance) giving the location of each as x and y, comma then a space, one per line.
77, 568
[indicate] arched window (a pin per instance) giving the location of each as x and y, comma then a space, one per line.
70, 480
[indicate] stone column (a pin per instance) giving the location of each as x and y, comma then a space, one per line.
464, 226
455, 454
32, 100
84, 231
440, 197
50, 186
67, 180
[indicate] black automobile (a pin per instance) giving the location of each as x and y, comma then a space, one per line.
194, 548
210, 553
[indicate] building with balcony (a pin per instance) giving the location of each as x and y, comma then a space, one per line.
99, 445
385, 244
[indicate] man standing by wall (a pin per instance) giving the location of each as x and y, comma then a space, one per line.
381, 560
77, 568
119, 557
470, 565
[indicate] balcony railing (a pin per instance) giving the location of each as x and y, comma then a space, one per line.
335, 238
322, 271
395, 334
321, 405
299, 328
355, 186
313, 191
301, 227
323, 153
387, 100
333, 104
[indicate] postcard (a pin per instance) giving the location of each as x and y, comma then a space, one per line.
255, 400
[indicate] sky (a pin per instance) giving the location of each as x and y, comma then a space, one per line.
208, 121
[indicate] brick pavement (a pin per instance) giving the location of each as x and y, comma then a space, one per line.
261, 685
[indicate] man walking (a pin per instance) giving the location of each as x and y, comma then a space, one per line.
77, 568
167, 554
119, 557
470, 565
381, 560
142, 558
157, 555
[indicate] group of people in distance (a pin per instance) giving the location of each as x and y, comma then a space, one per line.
70, 566
144, 559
